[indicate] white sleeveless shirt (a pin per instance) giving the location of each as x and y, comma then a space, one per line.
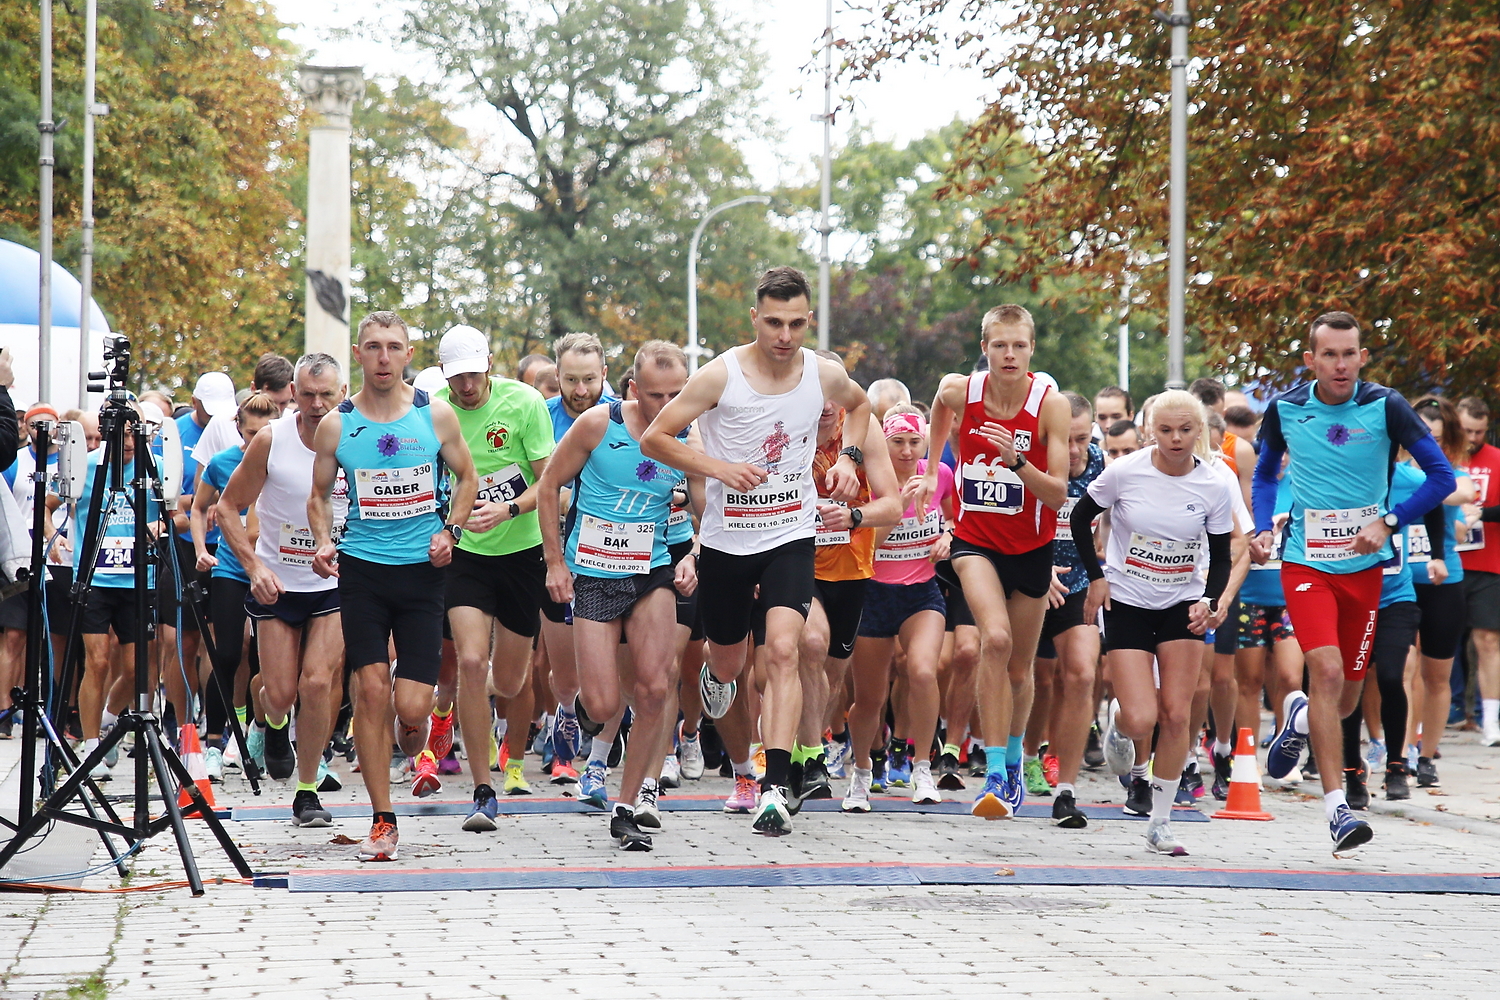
779, 433
285, 542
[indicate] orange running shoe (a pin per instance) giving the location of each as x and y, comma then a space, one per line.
564, 774
1051, 768
440, 734
381, 844
425, 769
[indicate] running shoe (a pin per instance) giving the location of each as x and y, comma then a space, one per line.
690, 758
1310, 769
1287, 745
924, 789
1349, 834
771, 816
647, 815
563, 773
541, 739
992, 801
1066, 814
716, 694
977, 766
758, 761
281, 759
1015, 789
1051, 769
1119, 749
836, 752
499, 752
450, 764
440, 734
1189, 787
112, 755
308, 811
1491, 735
381, 844
591, 790
1375, 756
858, 798
232, 755
481, 818
877, 774
1355, 791
1036, 778
1138, 799
745, 793
1427, 776
425, 775
515, 781
1223, 770
586, 724
898, 771
327, 780
948, 777
565, 736
625, 833
1397, 782
101, 772
255, 743
1093, 752
213, 762
671, 772
815, 781
1161, 839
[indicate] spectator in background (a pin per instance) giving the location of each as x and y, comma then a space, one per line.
531, 367
1121, 439
1482, 566
1242, 422
89, 420
273, 377
547, 383
1111, 405
885, 393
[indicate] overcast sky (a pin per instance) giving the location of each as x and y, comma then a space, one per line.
908, 102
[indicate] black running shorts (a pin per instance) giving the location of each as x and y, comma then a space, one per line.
380, 603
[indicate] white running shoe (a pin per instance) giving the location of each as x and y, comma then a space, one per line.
1490, 737
1119, 749
647, 815
232, 760
858, 799
717, 695
690, 758
1159, 838
671, 773
213, 762
924, 788
771, 815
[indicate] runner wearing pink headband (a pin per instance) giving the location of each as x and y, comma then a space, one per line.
904, 423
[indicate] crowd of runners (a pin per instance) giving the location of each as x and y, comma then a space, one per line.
770, 572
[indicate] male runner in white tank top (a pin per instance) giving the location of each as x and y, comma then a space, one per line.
295, 611
757, 409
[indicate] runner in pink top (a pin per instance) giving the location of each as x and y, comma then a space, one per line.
902, 600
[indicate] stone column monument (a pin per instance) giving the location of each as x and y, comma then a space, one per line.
331, 92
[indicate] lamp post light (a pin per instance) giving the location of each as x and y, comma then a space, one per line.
694, 349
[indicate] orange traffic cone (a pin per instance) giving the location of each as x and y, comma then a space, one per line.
192, 757
1244, 783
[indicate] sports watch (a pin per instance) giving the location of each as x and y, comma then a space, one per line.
456, 530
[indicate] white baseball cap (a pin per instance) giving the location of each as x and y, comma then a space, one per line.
430, 380
464, 349
215, 390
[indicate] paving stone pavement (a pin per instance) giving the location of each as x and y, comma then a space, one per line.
832, 941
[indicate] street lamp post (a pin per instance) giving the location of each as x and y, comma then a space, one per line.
694, 350
1178, 20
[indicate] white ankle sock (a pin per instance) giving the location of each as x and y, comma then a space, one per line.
1332, 801
1163, 794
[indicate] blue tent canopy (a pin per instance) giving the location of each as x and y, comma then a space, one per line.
20, 270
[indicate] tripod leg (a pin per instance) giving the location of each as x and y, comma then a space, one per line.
60, 798
205, 629
169, 799
179, 769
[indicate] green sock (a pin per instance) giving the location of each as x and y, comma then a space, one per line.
278, 725
242, 714
950, 748
799, 753
307, 786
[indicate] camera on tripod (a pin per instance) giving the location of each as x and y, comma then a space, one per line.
117, 370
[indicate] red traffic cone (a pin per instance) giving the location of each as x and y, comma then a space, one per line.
1244, 783
192, 757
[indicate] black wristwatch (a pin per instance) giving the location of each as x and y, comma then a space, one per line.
1211, 602
513, 509
1020, 461
854, 453
857, 515
456, 530
1392, 521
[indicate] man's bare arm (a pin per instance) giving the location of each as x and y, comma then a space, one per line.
242, 490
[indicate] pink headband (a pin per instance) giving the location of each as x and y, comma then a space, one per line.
904, 423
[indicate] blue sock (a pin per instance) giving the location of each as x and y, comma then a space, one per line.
994, 760
1013, 752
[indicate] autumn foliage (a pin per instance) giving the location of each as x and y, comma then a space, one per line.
1343, 155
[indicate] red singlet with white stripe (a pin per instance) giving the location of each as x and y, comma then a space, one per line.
995, 510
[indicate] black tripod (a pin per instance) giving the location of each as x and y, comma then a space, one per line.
153, 754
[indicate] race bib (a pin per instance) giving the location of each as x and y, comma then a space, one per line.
613, 547
502, 486
911, 539
1418, 544
1396, 563
992, 488
830, 536
1065, 512
1168, 562
1278, 540
116, 555
1476, 539
1329, 534
775, 504
389, 494
679, 515
294, 546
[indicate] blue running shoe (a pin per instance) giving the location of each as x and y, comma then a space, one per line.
993, 801
1015, 789
565, 736
877, 775
1287, 746
898, 772
1349, 834
591, 785
481, 818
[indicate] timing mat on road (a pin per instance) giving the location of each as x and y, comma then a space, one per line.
686, 803
395, 879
